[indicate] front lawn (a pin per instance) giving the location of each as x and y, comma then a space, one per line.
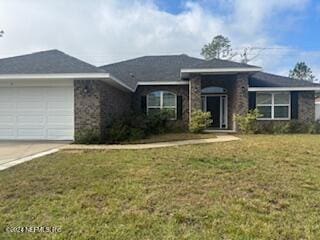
262, 187
169, 137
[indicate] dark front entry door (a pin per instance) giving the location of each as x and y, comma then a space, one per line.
213, 106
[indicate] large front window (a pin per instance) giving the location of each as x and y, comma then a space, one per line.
162, 100
274, 106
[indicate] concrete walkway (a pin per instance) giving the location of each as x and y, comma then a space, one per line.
14, 153
219, 138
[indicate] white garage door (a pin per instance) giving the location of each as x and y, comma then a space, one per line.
36, 113
318, 111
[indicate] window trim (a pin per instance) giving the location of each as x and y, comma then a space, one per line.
273, 105
161, 107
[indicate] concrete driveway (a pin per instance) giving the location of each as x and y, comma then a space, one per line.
13, 151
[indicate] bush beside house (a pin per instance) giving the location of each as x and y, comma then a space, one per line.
249, 124
129, 127
200, 121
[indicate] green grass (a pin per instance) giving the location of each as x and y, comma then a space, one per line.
262, 187
169, 137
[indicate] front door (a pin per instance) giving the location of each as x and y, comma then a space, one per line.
213, 106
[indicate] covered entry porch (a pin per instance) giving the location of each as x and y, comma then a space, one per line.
224, 96
215, 101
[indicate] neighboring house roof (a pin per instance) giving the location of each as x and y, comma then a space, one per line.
46, 62
163, 68
262, 79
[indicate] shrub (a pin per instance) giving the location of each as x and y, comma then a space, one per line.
293, 126
296, 126
135, 126
157, 122
248, 123
129, 127
280, 128
314, 128
88, 136
199, 121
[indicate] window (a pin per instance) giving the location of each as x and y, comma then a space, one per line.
162, 100
213, 90
274, 106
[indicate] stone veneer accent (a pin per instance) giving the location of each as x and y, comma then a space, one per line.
306, 107
179, 90
96, 103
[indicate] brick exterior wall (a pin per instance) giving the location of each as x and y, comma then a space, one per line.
195, 86
307, 107
179, 90
96, 103
86, 105
241, 94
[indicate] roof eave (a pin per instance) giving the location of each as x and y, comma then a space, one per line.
106, 77
184, 73
220, 70
279, 89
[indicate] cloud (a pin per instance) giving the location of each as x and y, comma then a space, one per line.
102, 32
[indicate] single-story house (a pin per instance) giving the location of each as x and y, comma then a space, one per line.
50, 95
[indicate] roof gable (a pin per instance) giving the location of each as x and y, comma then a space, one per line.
163, 68
46, 62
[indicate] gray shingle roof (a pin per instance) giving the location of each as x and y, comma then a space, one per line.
262, 79
162, 68
52, 61
148, 68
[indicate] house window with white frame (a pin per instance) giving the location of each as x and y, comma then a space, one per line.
274, 106
162, 100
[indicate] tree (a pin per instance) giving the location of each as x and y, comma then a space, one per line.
302, 72
219, 47
1, 33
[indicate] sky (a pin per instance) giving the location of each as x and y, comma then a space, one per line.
105, 31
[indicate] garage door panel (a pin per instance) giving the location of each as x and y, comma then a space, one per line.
6, 93
31, 105
31, 120
31, 133
7, 120
60, 105
59, 113
31, 93
62, 94
7, 105
7, 133
35, 113
61, 134
60, 120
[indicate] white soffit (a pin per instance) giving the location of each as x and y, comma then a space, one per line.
277, 89
220, 70
76, 76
